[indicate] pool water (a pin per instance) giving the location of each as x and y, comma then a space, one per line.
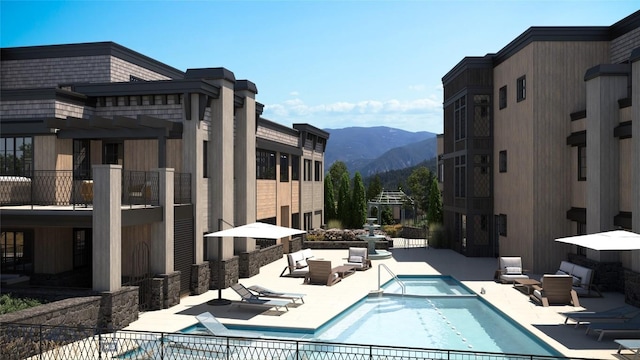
438, 312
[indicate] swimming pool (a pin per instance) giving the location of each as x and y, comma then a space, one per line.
437, 312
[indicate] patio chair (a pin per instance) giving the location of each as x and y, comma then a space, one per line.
620, 313
321, 272
555, 289
629, 344
510, 269
218, 329
297, 264
631, 325
358, 258
262, 291
249, 298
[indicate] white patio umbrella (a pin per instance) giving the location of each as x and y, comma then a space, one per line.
255, 230
609, 240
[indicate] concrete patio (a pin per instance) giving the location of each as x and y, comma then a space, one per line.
322, 302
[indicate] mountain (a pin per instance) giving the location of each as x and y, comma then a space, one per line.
371, 150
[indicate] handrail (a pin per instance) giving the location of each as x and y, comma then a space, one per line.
402, 286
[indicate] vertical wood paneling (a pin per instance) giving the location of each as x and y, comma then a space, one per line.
53, 250
141, 155
131, 236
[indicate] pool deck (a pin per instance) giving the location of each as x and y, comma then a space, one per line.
324, 302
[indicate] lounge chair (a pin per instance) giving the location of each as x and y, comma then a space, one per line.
249, 298
262, 291
582, 278
630, 344
321, 272
510, 269
218, 329
621, 313
632, 325
358, 258
297, 263
555, 289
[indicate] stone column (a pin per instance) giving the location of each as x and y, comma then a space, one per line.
605, 85
107, 227
245, 162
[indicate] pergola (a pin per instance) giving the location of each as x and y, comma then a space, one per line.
393, 199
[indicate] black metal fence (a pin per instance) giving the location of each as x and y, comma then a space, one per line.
66, 188
20, 341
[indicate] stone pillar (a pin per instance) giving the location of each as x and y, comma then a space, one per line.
635, 136
245, 162
107, 227
605, 85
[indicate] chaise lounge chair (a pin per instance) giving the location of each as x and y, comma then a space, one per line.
621, 313
632, 325
555, 289
510, 269
249, 298
262, 291
630, 344
218, 329
358, 258
321, 272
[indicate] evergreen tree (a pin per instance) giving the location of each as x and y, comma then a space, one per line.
419, 183
358, 203
434, 215
329, 201
344, 199
375, 188
335, 173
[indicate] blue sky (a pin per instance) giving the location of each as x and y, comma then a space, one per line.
331, 64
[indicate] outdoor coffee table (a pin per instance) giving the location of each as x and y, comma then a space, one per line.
344, 270
528, 284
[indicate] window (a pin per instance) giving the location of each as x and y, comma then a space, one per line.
81, 160
16, 249
582, 163
113, 153
502, 224
295, 167
317, 175
460, 118
81, 248
307, 170
522, 89
295, 221
284, 167
503, 161
265, 165
308, 221
205, 159
502, 96
460, 181
16, 156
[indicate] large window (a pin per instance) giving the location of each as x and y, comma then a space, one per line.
295, 167
460, 118
284, 167
460, 181
113, 153
582, 163
16, 247
307, 170
502, 96
265, 165
503, 161
308, 222
522, 88
317, 175
81, 160
16, 156
81, 248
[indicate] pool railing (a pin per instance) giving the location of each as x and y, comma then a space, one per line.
393, 275
43, 342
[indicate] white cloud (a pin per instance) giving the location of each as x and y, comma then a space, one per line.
423, 114
417, 87
294, 93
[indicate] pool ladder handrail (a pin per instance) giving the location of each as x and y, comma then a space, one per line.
394, 276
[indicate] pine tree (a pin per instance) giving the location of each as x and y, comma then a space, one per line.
358, 203
344, 199
375, 188
434, 213
329, 201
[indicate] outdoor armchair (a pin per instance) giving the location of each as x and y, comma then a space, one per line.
555, 289
358, 258
510, 269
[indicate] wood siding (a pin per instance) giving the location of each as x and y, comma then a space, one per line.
53, 250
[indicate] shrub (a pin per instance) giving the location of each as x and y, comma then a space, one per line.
392, 230
436, 236
9, 304
334, 224
315, 237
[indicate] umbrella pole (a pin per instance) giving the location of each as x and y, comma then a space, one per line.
219, 301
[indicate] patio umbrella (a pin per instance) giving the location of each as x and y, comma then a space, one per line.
254, 230
257, 230
609, 240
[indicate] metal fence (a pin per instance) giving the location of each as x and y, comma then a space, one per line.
20, 341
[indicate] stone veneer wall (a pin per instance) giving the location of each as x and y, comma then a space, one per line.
119, 308
251, 262
608, 276
200, 278
295, 244
230, 273
632, 287
165, 291
382, 244
409, 232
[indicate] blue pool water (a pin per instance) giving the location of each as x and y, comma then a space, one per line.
439, 312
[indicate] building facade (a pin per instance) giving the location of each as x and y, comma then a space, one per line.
115, 166
538, 144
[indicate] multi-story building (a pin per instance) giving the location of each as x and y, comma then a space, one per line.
114, 166
538, 144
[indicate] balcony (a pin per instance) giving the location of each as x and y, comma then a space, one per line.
60, 188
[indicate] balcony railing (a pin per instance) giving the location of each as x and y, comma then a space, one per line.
63, 188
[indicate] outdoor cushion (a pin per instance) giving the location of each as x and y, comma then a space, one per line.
576, 280
301, 264
513, 270
355, 259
